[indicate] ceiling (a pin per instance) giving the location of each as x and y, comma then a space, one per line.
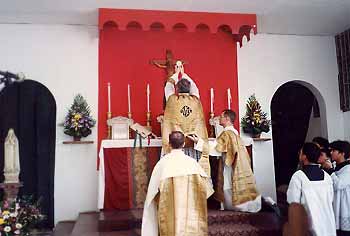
299, 17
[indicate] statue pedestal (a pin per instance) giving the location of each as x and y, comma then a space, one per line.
10, 190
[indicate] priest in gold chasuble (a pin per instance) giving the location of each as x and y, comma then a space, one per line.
184, 112
236, 186
176, 202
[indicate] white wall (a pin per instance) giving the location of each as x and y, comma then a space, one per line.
267, 62
314, 129
65, 60
347, 125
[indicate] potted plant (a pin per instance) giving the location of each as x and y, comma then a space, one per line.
255, 120
78, 121
19, 217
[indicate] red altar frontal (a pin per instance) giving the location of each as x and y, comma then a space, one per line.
124, 172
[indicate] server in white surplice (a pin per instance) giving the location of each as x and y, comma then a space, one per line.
313, 188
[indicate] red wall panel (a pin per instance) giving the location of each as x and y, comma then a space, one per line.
124, 59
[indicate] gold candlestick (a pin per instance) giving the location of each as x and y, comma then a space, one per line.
212, 130
109, 128
148, 115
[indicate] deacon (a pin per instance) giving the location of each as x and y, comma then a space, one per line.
236, 187
184, 112
176, 201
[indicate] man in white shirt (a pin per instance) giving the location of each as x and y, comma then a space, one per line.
313, 188
341, 182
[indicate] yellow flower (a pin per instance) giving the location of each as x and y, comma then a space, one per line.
5, 212
77, 116
1, 221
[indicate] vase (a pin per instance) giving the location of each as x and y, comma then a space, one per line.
77, 139
256, 135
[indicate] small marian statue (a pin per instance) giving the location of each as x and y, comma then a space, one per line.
11, 166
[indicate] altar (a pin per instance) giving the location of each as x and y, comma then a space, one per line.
126, 167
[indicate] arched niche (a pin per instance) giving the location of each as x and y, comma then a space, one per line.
292, 118
30, 109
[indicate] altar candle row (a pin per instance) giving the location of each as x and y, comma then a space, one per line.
229, 99
148, 94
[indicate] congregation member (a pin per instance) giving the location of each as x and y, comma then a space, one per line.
324, 159
340, 151
236, 187
313, 188
176, 201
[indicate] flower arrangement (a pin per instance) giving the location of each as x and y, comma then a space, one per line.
255, 120
19, 217
78, 122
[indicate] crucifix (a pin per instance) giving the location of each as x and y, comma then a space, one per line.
168, 64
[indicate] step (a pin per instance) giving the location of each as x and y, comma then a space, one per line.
131, 219
119, 220
86, 224
232, 229
128, 222
63, 228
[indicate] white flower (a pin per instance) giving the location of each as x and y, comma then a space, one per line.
6, 217
17, 231
19, 226
13, 214
7, 229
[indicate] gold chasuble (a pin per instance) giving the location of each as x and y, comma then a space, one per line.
184, 113
176, 202
182, 206
243, 181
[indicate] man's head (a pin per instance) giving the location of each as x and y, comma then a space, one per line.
323, 156
309, 153
176, 139
321, 142
340, 151
183, 86
227, 118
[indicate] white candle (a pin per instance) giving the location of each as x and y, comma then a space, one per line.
229, 98
211, 100
148, 93
109, 96
129, 103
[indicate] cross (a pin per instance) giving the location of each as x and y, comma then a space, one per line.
168, 64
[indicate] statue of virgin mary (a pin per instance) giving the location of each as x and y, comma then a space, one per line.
11, 163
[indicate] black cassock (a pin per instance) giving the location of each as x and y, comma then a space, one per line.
30, 108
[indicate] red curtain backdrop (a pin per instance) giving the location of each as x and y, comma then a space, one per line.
125, 56
126, 50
